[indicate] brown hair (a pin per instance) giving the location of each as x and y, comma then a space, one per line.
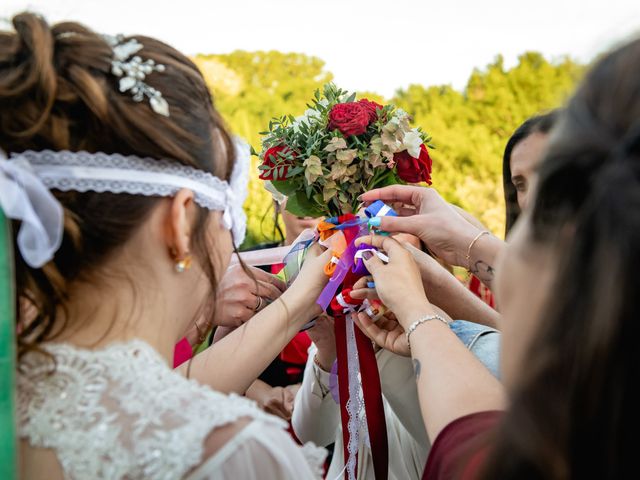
575, 412
536, 124
57, 92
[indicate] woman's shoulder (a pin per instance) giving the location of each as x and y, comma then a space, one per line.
122, 403
460, 449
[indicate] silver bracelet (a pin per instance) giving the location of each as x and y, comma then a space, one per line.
422, 320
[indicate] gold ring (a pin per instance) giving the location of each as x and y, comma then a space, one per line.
259, 305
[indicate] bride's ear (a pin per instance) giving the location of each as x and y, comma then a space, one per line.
179, 224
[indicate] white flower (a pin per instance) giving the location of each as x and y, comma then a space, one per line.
400, 113
306, 117
412, 142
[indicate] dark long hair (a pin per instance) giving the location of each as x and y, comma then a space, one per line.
57, 92
575, 411
537, 124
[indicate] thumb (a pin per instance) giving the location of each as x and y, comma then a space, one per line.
400, 225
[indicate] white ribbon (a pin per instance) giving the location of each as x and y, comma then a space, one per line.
24, 197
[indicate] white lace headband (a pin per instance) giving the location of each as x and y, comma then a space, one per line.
26, 178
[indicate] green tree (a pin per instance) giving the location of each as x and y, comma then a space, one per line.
470, 128
249, 89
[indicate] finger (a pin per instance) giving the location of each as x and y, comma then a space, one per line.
268, 291
289, 397
406, 211
370, 329
262, 276
394, 193
362, 282
363, 293
382, 242
274, 409
406, 224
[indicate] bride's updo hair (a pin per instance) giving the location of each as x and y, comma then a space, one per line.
57, 92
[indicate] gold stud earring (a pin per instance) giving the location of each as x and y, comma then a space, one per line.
184, 264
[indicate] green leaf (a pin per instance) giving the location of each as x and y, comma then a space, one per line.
295, 171
351, 98
302, 206
286, 187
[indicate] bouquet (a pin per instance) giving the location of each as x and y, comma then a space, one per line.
322, 162
340, 148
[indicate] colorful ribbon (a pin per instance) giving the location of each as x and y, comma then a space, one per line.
355, 356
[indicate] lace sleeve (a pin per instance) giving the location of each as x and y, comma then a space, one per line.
262, 451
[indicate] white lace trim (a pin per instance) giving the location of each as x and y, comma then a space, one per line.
355, 404
121, 412
100, 172
115, 173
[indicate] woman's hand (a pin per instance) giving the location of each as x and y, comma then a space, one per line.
307, 286
437, 223
387, 333
324, 338
398, 283
243, 293
274, 400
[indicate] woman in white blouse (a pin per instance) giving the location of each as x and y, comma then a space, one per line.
316, 414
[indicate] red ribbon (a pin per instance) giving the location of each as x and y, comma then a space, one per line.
372, 391
340, 328
373, 406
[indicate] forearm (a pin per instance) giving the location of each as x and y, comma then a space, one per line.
400, 390
460, 303
234, 362
451, 381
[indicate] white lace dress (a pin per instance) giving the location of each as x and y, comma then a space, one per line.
122, 413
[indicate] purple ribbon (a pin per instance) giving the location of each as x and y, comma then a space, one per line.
359, 268
342, 268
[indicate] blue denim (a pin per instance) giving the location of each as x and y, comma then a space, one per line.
482, 341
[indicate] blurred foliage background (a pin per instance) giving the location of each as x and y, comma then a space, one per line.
470, 127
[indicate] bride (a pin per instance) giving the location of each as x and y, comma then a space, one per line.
124, 187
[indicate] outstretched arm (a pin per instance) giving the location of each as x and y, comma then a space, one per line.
451, 381
234, 362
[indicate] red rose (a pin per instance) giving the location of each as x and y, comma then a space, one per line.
351, 118
414, 170
372, 108
273, 157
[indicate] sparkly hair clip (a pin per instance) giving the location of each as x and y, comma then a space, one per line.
132, 71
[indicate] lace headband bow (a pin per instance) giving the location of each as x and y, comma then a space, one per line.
26, 178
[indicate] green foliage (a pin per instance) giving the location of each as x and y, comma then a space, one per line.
470, 128
249, 89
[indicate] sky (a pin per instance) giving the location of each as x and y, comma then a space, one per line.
369, 45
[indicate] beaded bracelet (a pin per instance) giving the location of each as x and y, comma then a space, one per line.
422, 320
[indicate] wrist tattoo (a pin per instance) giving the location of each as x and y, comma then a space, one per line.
482, 270
416, 367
